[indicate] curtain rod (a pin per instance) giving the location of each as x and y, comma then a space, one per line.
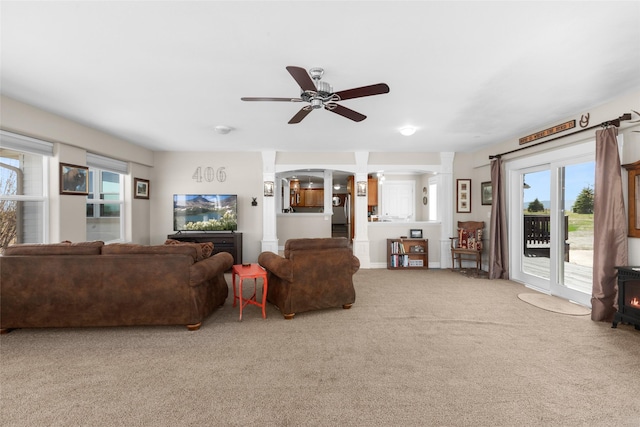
614, 122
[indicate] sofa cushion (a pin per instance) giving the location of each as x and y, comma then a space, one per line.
205, 249
134, 249
64, 248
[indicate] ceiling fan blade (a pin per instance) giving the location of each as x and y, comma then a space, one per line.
300, 115
301, 76
346, 112
271, 99
359, 92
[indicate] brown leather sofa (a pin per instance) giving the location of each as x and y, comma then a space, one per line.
93, 284
313, 274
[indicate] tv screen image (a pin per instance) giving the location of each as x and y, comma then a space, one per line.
205, 212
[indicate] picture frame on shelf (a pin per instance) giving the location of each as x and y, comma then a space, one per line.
74, 179
415, 233
140, 188
463, 195
486, 193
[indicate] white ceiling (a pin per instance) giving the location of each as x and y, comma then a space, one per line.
466, 74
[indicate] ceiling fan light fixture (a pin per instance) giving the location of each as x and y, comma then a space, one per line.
316, 103
408, 130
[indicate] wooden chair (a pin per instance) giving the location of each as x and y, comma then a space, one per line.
467, 243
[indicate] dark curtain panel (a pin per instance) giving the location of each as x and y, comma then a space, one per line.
498, 247
610, 226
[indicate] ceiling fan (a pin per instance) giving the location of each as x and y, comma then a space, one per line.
320, 94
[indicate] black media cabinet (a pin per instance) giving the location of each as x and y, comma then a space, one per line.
222, 242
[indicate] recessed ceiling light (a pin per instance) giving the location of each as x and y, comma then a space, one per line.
408, 130
222, 130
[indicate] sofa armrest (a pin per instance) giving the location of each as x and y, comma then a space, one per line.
209, 267
355, 264
277, 265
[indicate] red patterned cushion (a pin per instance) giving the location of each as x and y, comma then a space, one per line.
470, 238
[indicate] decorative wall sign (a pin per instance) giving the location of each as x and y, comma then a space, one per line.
584, 120
547, 132
463, 196
209, 174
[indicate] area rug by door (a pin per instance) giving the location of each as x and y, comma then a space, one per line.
554, 304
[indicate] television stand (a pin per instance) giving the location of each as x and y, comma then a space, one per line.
222, 242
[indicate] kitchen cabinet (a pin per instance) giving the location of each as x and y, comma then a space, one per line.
372, 193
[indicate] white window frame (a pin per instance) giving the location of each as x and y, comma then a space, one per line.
28, 145
98, 164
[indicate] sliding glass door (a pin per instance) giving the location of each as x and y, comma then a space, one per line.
551, 221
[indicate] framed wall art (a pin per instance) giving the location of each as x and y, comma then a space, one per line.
268, 188
74, 179
140, 188
361, 188
415, 233
486, 193
463, 195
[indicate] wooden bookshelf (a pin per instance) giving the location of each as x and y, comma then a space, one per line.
407, 253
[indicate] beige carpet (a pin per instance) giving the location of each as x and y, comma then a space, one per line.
554, 304
418, 348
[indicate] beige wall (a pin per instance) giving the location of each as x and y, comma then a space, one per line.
292, 226
380, 232
72, 141
476, 165
173, 174
150, 221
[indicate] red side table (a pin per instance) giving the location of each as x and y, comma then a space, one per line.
250, 271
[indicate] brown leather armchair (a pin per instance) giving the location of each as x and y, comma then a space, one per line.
313, 274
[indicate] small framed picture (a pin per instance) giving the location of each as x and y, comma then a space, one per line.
140, 188
362, 188
268, 188
74, 179
486, 192
463, 196
415, 233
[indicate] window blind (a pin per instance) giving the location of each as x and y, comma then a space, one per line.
107, 163
17, 142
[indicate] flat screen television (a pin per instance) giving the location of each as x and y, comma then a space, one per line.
205, 212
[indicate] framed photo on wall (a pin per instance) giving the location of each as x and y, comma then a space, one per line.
361, 188
140, 188
74, 179
463, 195
486, 193
268, 188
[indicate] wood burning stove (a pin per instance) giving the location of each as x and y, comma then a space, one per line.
628, 297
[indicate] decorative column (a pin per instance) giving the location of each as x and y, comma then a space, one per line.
361, 237
445, 207
269, 232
